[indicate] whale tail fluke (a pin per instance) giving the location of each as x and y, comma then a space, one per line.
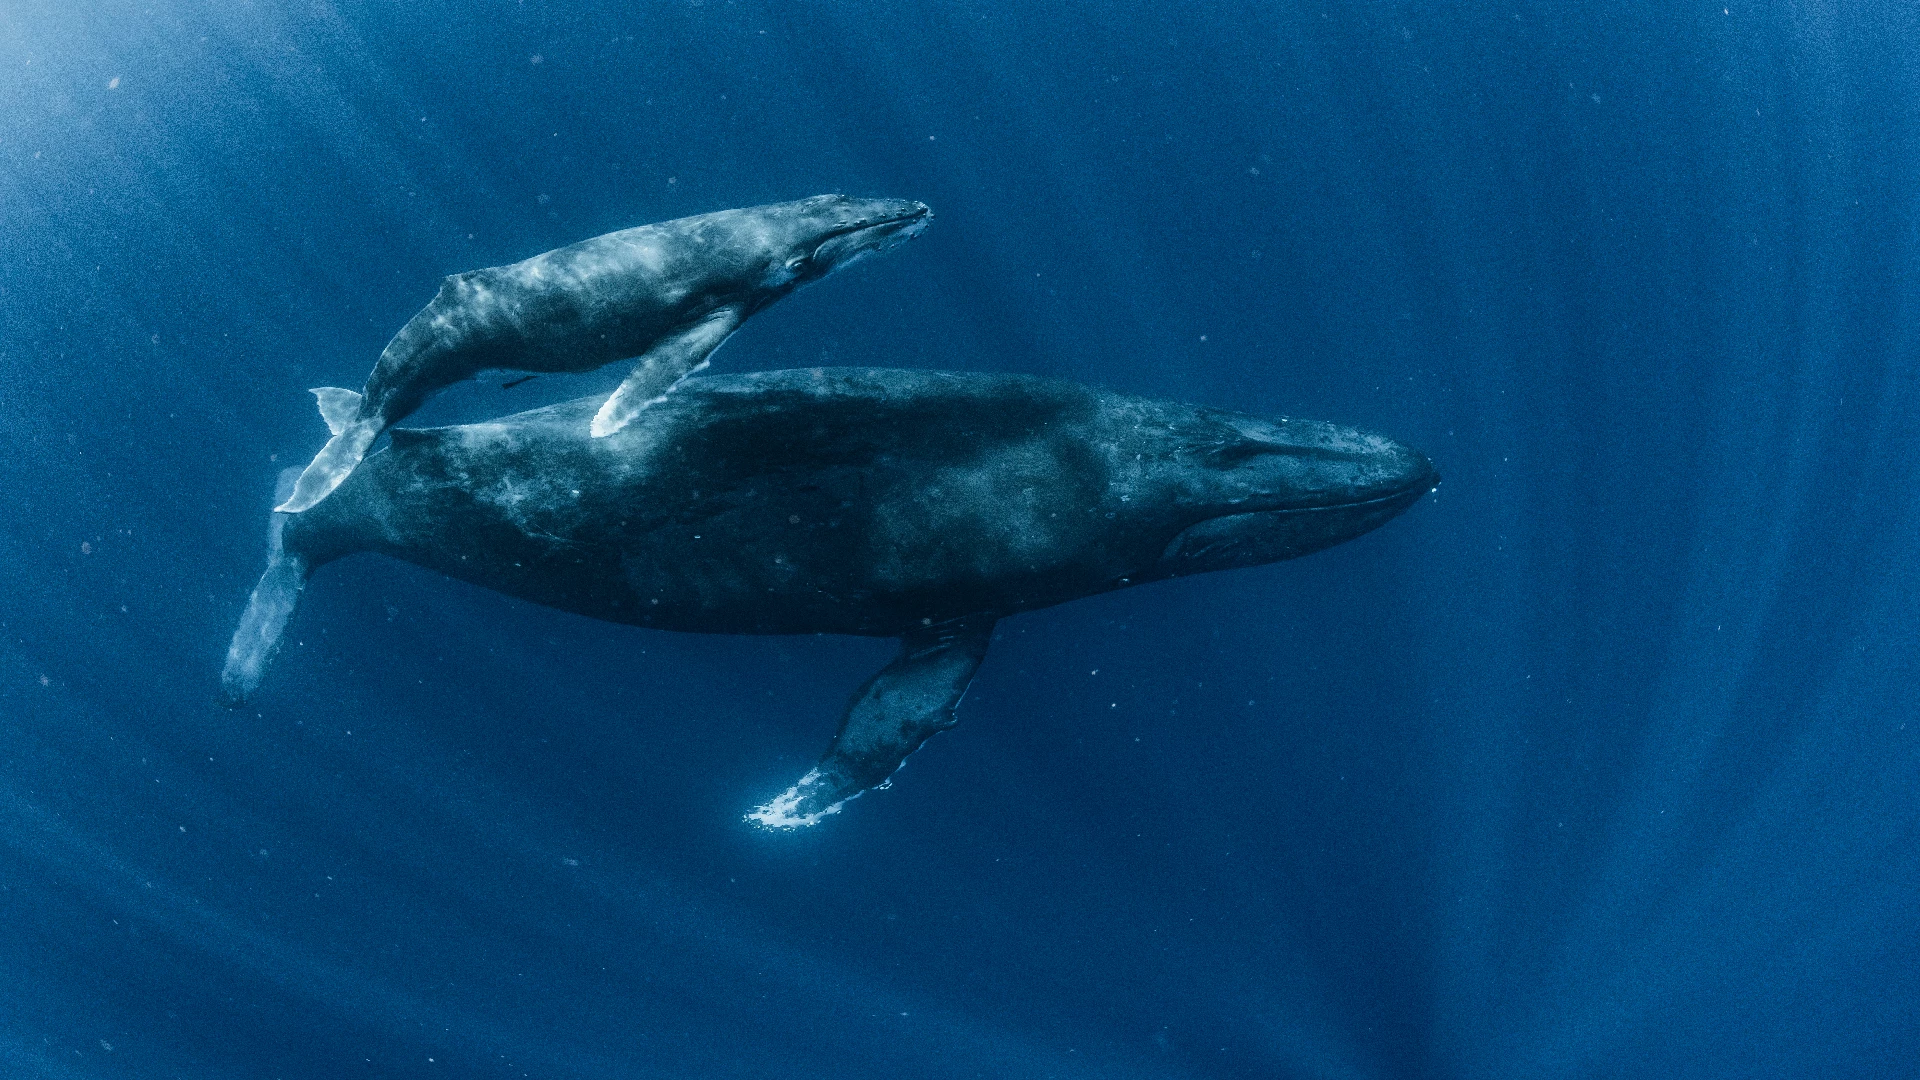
352, 434
268, 610
339, 408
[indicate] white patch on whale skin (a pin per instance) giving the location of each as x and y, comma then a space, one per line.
780, 813
642, 246
528, 501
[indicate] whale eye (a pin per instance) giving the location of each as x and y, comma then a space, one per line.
797, 262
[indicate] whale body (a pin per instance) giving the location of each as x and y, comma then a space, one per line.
669, 293
910, 504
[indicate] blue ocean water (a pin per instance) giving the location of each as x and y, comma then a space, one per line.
1601, 761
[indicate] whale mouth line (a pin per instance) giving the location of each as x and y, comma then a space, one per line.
920, 212
1428, 482
1222, 541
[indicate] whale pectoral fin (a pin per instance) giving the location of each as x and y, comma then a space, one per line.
268, 609
900, 708
672, 359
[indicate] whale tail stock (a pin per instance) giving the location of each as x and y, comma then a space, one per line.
268, 610
352, 433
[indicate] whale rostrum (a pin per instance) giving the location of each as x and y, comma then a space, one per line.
910, 504
669, 293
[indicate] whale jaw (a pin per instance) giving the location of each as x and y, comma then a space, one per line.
1295, 499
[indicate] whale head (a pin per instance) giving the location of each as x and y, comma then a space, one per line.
1288, 488
808, 239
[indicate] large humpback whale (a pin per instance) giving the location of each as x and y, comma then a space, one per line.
668, 293
917, 505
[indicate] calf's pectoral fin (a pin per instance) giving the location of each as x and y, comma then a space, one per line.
672, 359
897, 710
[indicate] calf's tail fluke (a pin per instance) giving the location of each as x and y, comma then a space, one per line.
352, 434
268, 610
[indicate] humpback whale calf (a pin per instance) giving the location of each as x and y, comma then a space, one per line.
668, 293
909, 504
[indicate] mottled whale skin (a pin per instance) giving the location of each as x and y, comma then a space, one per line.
670, 293
910, 504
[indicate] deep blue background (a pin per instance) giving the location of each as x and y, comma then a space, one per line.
1601, 762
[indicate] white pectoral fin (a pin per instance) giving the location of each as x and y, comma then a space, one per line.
661, 369
905, 705
338, 407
